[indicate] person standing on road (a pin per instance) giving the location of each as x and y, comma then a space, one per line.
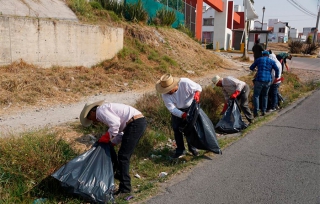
257, 50
282, 57
262, 81
273, 91
234, 89
126, 126
178, 94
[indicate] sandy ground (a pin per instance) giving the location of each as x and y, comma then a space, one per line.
37, 117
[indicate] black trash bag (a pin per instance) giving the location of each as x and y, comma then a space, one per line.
199, 130
89, 175
231, 121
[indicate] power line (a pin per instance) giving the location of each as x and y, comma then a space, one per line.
301, 8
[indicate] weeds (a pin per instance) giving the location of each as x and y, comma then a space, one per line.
25, 172
164, 17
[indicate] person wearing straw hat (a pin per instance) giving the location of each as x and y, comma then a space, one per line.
126, 126
178, 94
233, 88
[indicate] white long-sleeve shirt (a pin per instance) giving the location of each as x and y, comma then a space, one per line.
230, 85
274, 58
115, 116
182, 98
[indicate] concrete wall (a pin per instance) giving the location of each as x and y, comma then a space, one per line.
37, 8
48, 42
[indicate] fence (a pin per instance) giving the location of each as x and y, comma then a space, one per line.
152, 6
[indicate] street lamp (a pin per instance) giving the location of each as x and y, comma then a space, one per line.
263, 9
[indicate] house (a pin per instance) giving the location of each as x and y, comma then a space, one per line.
208, 25
226, 27
280, 31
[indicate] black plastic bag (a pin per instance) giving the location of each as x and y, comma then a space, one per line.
199, 130
231, 121
89, 175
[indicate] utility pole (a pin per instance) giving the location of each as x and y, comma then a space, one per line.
316, 30
245, 51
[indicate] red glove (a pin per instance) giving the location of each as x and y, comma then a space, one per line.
224, 108
197, 96
184, 116
105, 138
235, 94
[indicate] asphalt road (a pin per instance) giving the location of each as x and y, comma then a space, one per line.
276, 163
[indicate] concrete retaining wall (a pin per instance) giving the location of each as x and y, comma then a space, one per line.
51, 42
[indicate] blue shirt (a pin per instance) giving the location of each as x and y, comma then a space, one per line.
265, 66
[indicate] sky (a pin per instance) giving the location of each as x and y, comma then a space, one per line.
286, 12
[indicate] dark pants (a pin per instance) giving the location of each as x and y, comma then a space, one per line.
176, 123
244, 102
273, 95
132, 134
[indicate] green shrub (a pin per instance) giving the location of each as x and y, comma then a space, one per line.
295, 47
164, 17
135, 12
95, 5
311, 49
80, 6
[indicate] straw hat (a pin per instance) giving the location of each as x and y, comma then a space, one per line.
84, 113
166, 83
215, 80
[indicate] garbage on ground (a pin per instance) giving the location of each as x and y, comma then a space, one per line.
137, 176
155, 156
40, 201
163, 174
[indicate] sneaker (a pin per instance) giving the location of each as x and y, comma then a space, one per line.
271, 110
263, 113
255, 115
194, 152
178, 155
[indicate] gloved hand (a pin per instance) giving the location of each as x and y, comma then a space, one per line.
105, 138
184, 116
224, 108
235, 94
197, 96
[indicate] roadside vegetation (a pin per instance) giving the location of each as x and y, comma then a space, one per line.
28, 159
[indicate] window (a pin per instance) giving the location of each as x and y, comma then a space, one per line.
281, 30
208, 21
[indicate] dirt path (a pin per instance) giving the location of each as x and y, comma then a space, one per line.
37, 117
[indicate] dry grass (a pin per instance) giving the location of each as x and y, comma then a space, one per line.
148, 53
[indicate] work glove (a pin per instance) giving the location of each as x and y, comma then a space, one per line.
184, 116
235, 94
224, 108
197, 96
105, 138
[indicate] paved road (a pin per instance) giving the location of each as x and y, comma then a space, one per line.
276, 163
296, 62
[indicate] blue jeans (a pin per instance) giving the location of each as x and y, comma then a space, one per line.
260, 89
273, 93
